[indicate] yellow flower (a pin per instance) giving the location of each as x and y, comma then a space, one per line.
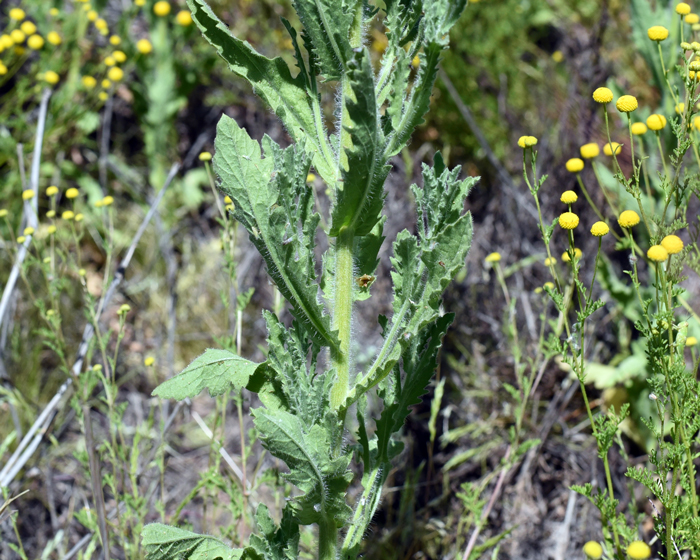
608, 148
161, 8
124, 309
310, 178
602, 95
656, 122
17, 14
695, 46
28, 230
119, 56
568, 220
110, 61
89, 82
115, 74
692, 18
680, 108
577, 255
628, 219
568, 197
51, 229
657, 33
28, 194
493, 258
140, 2
53, 38
416, 61
54, 12
105, 83
527, 142
589, 151
82, 272
3, 213
98, 204
28, 28
694, 65
102, 96
657, 253
574, 165
691, 341
52, 190
51, 214
148, 362
557, 56
686, 46
184, 18
227, 200
682, 8
101, 24
549, 261
696, 122
3, 69
549, 285
599, 229
144, 46
51, 77
107, 200
79, 217
639, 128
21, 239
115, 40
72, 193
593, 550
6, 41
17, 36
35, 42
672, 243
230, 207
68, 215
638, 550
205, 156
92, 15
626, 104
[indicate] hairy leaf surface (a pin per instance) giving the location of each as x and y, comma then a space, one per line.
163, 542
276, 542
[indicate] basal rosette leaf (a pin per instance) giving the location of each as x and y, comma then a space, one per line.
218, 370
163, 542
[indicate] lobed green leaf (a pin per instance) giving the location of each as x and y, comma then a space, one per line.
163, 542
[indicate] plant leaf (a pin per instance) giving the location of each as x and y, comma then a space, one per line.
276, 542
218, 370
163, 542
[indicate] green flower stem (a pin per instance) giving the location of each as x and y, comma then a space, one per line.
644, 169
663, 68
588, 198
661, 153
605, 191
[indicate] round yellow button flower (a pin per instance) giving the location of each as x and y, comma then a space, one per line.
692, 18
28, 230
161, 8
657, 33
656, 253
17, 14
106, 83
568, 197
205, 156
17, 36
21, 239
72, 193
574, 165
51, 229
28, 28
696, 123
691, 341
656, 122
568, 220
148, 362
89, 82
92, 15
184, 18
628, 219
3, 69
115, 40
680, 107
599, 229
79, 217
68, 215
609, 148
686, 46
28, 194
107, 200
682, 8
144, 46
6, 41
35, 42
51, 77
110, 61
602, 95
627, 104
140, 2
639, 128
103, 96
101, 24
54, 38
593, 550
672, 243
119, 56
550, 261
52, 190
527, 142
493, 258
115, 74
638, 550
577, 255
51, 214
3, 213
589, 151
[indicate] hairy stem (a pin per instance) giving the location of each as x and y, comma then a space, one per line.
342, 314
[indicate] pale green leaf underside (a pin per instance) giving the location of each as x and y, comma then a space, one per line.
220, 371
163, 542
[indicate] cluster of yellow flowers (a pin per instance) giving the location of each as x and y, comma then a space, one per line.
22, 31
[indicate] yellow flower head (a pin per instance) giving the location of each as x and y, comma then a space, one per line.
493, 258
35, 42
28, 194
105, 83
691, 341
602, 95
79, 217
230, 207
626, 104
695, 45
52, 190
148, 362
609, 148
310, 178
101, 24
593, 550
140, 2
574, 165
638, 550
17, 36
569, 197
107, 200
51, 229
51, 77
680, 107
686, 46
98, 204
527, 142
68, 215
6, 41
3, 213
103, 96
28, 230
682, 8
205, 156
184, 18
694, 65
144, 46
17, 14
53, 38
657, 253
657, 33
28, 28
628, 219
72, 193
589, 151
3, 69
119, 56
696, 122
21, 239
228, 200
692, 18
110, 61
568, 220
549, 261
161, 8
639, 128
89, 82
124, 309
656, 122
115, 74
577, 255
672, 243
115, 40
599, 229
92, 15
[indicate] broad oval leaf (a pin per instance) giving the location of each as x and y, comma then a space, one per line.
163, 542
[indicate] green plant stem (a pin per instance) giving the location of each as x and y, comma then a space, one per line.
663, 68
644, 169
661, 153
327, 540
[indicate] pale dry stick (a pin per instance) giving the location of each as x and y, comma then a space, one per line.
20, 160
30, 206
16, 462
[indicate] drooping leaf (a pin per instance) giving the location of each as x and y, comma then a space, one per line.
271, 79
218, 370
163, 542
260, 187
